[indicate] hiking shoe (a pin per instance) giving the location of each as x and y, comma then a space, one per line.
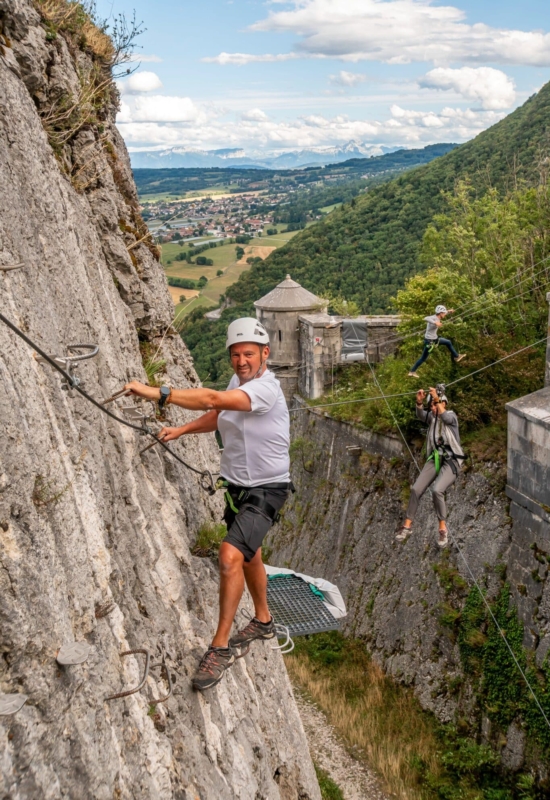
443, 539
459, 358
212, 666
413, 375
403, 533
254, 630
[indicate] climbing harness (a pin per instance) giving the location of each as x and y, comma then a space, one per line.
431, 347
206, 479
237, 496
468, 568
69, 363
74, 653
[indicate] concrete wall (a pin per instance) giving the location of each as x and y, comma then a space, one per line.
528, 487
282, 327
320, 342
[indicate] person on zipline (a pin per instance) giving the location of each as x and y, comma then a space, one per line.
253, 420
432, 339
444, 460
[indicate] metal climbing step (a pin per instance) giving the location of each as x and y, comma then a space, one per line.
294, 604
11, 703
73, 653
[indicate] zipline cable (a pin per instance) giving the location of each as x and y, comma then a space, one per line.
205, 474
468, 568
465, 306
375, 379
407, 394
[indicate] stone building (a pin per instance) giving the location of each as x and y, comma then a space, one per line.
279, 312
528, 487
307, 343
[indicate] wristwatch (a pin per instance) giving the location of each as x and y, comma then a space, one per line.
165, 392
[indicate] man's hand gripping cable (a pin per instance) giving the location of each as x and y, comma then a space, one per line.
207, 480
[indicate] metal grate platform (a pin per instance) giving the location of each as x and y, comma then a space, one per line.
293, 604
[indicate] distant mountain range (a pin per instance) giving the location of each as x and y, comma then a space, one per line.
186, 157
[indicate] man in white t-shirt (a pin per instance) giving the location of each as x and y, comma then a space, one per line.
252, 418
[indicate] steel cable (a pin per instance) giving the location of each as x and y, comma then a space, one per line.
205, 474
468, 568
408, 394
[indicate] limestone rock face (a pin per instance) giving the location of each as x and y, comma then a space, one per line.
340, 525
94, 538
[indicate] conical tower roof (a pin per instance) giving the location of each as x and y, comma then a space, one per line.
289, 296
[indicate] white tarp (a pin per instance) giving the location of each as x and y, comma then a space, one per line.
333, 598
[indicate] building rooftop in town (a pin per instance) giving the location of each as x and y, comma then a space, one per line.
289, 296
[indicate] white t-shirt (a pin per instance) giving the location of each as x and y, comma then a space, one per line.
256, 442
432, 330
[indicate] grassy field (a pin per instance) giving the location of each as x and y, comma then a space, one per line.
328, 209
224, 258
383, 723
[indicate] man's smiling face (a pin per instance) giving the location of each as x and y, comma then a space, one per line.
246, 358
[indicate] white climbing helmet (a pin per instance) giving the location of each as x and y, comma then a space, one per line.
246, 329
440, 310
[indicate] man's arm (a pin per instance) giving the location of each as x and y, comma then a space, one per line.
196, 399
205, 424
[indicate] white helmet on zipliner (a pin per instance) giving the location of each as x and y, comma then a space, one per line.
440, 310
246, 329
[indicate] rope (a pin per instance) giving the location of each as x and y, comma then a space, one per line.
499, 629
375, 379
203, 473
406, 394
468, 568
465, 306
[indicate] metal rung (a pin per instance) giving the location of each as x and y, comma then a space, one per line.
294, 605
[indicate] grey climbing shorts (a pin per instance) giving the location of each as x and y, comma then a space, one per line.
247, 529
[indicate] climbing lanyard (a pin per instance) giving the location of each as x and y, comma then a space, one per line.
431, 347
206, 482
436, 458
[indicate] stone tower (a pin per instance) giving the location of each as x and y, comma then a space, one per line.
278, 311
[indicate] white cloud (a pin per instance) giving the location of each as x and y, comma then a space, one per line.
254, 115
160, 108
240, 59
344, 78
485, 85
395, 32
144, 59
140, 82
170, 121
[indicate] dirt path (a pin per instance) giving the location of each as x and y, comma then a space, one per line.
355, 780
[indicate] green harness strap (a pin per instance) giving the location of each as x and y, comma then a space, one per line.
435, 457
222, 484
434, 344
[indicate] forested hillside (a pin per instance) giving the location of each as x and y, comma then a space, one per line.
366, 250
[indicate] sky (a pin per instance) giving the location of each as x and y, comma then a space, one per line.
284, 75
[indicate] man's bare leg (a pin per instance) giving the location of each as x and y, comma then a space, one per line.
231, 590
256, 581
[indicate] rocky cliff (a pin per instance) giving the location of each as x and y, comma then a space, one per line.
414, 605
94, 538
